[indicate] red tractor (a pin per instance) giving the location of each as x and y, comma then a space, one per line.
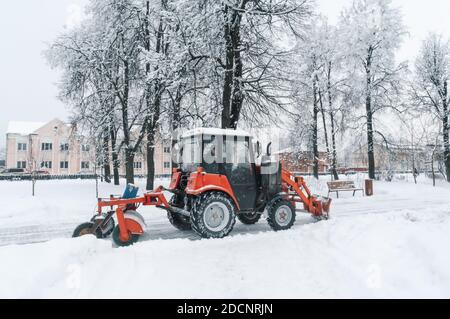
217, 180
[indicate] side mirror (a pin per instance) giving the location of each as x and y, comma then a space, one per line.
269, 149
258, 149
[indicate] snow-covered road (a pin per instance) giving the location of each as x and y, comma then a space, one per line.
391, 245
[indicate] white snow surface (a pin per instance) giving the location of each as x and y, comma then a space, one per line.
23, 128
391, 245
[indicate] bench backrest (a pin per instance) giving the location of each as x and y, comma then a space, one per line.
341, 185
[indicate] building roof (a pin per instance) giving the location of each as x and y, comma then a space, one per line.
23, 128
215, 131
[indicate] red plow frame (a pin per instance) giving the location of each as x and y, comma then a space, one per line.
127, 229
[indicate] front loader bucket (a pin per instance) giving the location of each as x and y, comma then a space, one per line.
321, 207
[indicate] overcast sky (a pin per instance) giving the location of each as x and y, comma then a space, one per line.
27, 84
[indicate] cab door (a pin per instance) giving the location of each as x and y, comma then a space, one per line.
240, 170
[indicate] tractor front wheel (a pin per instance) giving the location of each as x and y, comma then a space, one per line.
249, 218
281, 215
132, 238
213, 215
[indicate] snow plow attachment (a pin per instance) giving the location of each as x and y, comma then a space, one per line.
130, 224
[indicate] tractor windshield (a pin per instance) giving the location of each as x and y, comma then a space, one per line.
216, 153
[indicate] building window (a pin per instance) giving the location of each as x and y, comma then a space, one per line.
85, 148
166, 149
22, 146
64, 147
137, 165
84, 165
22, 164
47, 146
46, 164
64, 165
166, 164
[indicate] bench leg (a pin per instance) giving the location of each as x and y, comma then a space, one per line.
354, 192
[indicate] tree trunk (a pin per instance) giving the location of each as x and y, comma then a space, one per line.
129, 152
334, 151
150, 162
232, 96
369, 114
324, 121
315, 132
176, 112
106, 163
116, 165
115, 156
238, 96
229, 67
153, 109
129, 165
152, 125
333, 127
432, 167
446, 132
370, 141
176, 124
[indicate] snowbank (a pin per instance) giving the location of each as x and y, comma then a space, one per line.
399, 255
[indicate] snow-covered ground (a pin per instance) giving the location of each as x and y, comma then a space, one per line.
394, 244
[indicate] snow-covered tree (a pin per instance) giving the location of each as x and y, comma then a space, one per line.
332, 82
318, 92
430, 87
373, 32
311, 66
238, 44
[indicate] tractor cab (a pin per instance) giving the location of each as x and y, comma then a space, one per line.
223, 160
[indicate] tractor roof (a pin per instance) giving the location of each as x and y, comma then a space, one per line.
214, 131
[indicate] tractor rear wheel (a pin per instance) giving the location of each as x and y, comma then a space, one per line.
249, 218
132, 238
213, 215
87, 229
281, 215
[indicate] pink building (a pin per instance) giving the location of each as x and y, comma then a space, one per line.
56, 148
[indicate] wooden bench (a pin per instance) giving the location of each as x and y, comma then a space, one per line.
343, 186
